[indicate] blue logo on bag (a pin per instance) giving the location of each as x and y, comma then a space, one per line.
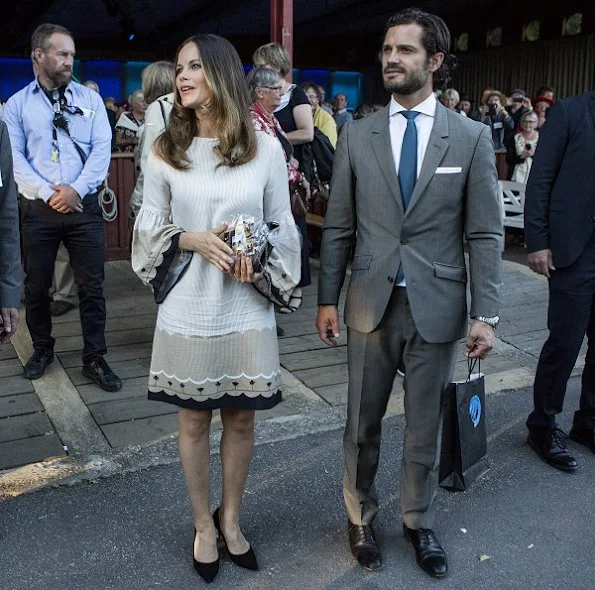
475, 410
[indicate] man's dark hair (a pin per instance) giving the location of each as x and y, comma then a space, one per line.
435, 39
41, 36
544, 89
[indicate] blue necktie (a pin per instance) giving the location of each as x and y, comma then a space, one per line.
408, 167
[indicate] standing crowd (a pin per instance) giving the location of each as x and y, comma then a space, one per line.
414, 192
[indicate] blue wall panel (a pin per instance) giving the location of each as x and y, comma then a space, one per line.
119, 79
14, 75
107, 76
132, 76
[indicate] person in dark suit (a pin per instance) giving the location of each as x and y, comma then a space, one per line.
10, 256
560, 238
412, 180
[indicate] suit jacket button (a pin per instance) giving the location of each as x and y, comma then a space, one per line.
390, 279
404, 241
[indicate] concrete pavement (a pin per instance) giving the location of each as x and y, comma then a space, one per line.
107, 507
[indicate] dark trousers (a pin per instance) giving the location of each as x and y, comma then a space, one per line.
43, 229
571, 315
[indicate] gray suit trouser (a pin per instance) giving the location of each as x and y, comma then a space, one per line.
373, 359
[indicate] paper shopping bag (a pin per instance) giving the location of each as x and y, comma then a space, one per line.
463, 457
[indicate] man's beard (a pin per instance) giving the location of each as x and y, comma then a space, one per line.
412, 83
58, 79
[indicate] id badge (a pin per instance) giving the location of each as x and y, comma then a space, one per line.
55, 157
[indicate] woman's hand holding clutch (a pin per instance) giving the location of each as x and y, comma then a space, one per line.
243, 270
210, 246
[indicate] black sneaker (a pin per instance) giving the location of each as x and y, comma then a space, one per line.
36, 365
98, 370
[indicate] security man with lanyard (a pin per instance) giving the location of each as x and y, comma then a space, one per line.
61, 142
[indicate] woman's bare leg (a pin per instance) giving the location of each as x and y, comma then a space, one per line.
237, 447
194, 455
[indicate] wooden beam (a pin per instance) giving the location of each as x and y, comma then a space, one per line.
282, 26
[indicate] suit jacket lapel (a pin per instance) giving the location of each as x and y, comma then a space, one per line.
382, 148
435, 151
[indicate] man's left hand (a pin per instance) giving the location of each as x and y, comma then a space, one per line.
65, 199
10, 319
480, 340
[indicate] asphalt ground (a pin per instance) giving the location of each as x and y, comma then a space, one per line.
522, 525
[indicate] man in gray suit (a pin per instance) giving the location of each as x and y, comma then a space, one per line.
412, 182
10, 256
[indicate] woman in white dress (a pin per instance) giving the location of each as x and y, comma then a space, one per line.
215, 344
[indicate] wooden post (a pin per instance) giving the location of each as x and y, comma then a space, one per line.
282, 27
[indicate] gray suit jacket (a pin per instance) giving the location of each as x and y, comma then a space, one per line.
10, 256
445, 209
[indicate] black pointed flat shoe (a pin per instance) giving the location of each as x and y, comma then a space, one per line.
207, 571
246, 560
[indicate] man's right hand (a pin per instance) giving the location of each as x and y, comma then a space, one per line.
327, 324
65, 199
541, 262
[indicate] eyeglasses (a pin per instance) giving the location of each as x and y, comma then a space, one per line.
273, 88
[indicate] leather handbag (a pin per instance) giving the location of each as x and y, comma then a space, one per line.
297, 196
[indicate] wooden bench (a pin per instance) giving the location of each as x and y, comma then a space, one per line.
513, 203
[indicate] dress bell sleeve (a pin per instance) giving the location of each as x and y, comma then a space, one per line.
286, 238
156, 257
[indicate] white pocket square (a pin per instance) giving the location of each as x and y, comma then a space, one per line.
449, 170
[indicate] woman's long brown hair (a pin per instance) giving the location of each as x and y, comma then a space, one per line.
228, 107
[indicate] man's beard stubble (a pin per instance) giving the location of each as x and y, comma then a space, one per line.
411, 84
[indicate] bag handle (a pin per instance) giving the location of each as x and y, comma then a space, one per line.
471, 367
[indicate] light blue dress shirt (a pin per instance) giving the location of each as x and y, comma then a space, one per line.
29, 117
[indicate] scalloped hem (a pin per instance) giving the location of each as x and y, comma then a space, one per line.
241, 401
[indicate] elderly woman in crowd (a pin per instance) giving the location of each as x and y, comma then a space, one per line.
130, 123
322, 120
215, 345
450, 99
265, 88
157, 80
521, 151
294, 114
495, 115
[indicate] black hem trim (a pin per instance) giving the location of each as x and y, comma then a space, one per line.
171, 269
242, 401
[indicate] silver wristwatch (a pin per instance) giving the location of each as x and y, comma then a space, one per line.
490, 321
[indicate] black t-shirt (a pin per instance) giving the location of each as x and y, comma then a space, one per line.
285, 116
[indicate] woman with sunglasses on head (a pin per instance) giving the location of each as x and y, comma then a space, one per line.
215, 345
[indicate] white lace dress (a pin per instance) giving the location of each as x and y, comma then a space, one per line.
215, 341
